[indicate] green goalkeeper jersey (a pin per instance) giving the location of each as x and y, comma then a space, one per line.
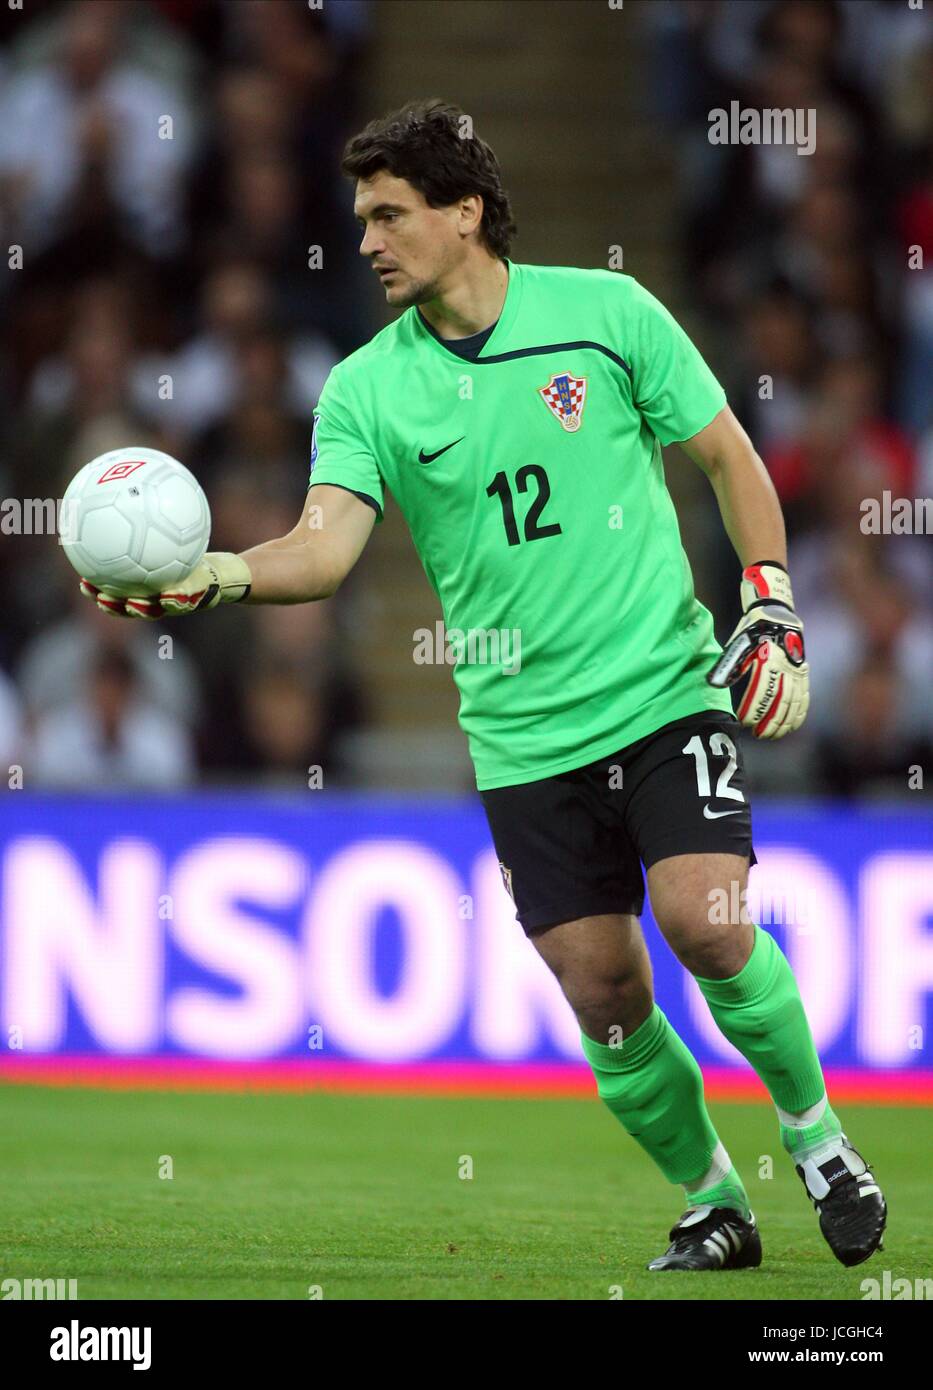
532, 483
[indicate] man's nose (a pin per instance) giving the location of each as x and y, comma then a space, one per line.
371, 245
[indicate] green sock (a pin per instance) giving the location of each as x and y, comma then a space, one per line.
801, 1139
653, 1086
761, 1013
722, 1186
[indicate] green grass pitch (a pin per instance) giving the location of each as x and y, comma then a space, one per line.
273, 1195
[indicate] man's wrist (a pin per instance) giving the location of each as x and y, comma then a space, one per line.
233, 575
766, 581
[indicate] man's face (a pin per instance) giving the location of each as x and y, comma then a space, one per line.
413, 247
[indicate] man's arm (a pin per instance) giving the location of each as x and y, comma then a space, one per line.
749, 505
308, 563
767, 644
312, 561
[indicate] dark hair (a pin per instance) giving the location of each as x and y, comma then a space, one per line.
423, 143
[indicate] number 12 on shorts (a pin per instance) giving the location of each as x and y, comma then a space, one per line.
720, 746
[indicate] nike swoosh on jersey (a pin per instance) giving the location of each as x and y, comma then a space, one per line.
429, 458
714, 815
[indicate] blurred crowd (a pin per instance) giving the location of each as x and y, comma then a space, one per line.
812, 275
167, 168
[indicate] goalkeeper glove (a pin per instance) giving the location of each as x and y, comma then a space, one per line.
220, 577
768, 642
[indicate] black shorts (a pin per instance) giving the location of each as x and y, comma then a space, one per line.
573, 845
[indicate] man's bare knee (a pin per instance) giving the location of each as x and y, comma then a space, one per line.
603, 968
612, 1010
699, 904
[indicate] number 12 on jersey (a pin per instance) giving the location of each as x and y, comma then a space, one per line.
499, 487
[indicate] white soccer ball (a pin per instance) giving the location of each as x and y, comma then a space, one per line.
134, 521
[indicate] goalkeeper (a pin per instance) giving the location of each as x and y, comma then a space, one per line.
517, 413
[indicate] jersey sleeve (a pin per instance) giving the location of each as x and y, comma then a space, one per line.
673, 387
340, 453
